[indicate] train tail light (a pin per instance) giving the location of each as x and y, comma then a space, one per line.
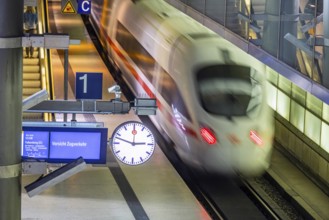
208, 135
255, 137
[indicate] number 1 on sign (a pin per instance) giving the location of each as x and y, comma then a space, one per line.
84, 78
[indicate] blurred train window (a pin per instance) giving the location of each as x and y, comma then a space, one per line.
229, 90
198, 36
136, 51
170, 92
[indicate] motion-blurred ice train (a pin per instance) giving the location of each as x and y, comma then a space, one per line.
211, 95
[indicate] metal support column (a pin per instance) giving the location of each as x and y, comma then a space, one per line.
282, 18
66, 77
271, 27
289, 20
326, 44
11, 62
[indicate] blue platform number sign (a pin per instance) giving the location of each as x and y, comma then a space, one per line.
84, 6
88, 85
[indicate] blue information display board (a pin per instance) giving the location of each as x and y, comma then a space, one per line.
36, 144
88, 85
64, 144
71, 145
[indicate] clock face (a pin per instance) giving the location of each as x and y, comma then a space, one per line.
133, 143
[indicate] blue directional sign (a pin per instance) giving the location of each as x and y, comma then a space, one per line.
88, 85
84, 6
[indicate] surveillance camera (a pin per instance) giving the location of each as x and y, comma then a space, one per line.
114, 89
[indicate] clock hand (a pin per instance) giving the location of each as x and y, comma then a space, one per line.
125, 140
139, 143
134, 133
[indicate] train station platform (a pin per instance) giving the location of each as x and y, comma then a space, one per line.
153, 190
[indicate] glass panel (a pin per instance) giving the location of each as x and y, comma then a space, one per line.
314, 104
170, 92
215, 9
324, 137
229, 90
312, 127
283, 105
297, 115
298, 94
285, 84
325, 113
198, 5
288, 25
305, 62
233, 21
271, 94
271, 27
257, 7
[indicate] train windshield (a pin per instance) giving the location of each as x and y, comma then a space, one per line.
229, 90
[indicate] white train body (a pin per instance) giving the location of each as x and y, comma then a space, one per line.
211, 95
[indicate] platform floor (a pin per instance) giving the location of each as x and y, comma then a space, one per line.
299, 187
117, 191
157, 192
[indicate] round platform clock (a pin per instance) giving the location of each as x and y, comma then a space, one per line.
132, 143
